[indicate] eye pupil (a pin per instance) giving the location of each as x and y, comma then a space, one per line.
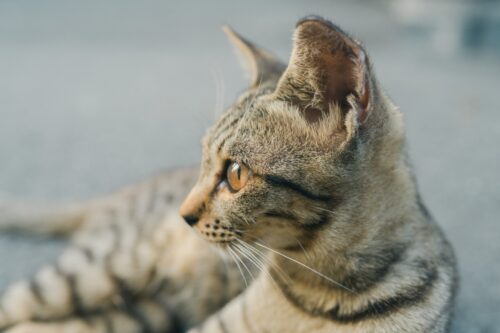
237, 176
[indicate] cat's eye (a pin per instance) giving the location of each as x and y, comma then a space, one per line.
237, 175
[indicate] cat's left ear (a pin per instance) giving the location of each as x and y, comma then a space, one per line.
261, 64
327, 68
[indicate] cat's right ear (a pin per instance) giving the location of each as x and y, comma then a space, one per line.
261, 64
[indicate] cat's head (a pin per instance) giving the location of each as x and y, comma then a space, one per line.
295, 148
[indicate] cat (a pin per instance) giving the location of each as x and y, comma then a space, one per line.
304, 181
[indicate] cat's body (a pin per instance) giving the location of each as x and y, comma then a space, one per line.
305, 178
118, 270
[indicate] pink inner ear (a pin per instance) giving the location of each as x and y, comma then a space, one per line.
341, 81
345, 68
328, 67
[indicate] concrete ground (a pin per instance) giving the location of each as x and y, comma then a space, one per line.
97, 94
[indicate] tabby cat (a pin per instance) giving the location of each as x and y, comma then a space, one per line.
304, 182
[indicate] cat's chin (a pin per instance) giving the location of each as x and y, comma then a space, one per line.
225, 249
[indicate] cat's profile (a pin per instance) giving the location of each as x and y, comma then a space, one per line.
304, 182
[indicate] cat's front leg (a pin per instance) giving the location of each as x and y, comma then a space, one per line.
84, 280
144, 316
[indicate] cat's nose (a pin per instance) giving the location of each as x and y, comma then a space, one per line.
191, 219
192, 207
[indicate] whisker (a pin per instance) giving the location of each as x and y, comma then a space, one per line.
295, 238
248, 255
329, 279
263, 269
233, 255
247, 221
334, 213
306, 267
238, 251
251, 256
265, 259
306, 254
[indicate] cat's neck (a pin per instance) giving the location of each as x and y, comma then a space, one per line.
343, 261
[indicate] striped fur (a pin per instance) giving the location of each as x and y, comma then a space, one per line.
121, 273
331, 216
328, 235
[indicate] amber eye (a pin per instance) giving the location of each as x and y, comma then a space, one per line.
237, 175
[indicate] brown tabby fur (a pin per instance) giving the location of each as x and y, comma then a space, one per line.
330, 226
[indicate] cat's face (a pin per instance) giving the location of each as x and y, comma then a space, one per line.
276, 162
260, 177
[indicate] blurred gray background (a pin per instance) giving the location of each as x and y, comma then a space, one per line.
97, 94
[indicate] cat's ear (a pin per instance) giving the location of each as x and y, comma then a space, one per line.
262, 65
327, 68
